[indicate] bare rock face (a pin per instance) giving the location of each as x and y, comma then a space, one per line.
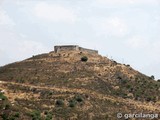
59, 85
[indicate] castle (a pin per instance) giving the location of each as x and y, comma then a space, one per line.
73, 48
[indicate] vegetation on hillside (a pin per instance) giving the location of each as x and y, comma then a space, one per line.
73, 85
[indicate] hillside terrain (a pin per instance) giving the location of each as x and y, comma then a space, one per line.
63, 86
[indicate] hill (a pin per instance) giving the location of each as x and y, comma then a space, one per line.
63, 86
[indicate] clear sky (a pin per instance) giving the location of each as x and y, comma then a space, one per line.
127, 31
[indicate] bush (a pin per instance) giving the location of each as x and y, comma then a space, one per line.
79, 99
128, 86
48, 116
7, 106
152, 77
12, 118
50, 93
17, 114
46, 112
84, 59
72, 103
128, 65
149, 98
2, 97
59, 103
123, 81
4, 116
36, 115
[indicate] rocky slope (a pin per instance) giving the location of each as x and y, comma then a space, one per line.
61, 86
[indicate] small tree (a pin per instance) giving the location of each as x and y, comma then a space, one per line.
84, 59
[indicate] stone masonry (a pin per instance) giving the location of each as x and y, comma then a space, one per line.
73, 48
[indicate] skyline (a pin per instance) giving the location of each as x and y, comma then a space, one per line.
126, 31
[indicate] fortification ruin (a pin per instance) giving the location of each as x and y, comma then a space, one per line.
73, 48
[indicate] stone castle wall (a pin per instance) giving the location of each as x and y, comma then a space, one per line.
65, 48
87, 50
73, 47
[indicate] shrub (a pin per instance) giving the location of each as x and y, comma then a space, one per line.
4, 116
119, 77
49, 116
17, 114
128, 65
149, 98
152, 77
72, 103
79, 99
128, 86
12, 118
59, 103
50, 93
84, 59
2, 97
46, 112
123, 81
36, 115
7, 106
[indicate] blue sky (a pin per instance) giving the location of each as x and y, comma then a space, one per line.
125, 30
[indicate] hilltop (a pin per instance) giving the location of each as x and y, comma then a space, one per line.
63, 86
